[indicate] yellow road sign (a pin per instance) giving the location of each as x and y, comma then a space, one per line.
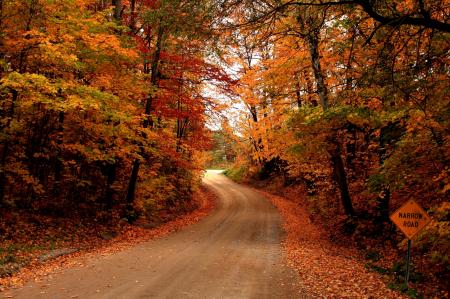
410, 218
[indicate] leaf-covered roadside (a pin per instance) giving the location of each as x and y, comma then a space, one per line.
327, 270
90, 240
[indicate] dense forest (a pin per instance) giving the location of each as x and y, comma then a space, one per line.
106, 110
102, 107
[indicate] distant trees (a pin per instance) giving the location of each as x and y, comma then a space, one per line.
222, 151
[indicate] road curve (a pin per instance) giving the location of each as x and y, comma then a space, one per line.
233, 253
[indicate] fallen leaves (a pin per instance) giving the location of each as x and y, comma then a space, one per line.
326, 270
93, 248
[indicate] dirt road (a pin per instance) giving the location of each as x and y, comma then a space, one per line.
233, 253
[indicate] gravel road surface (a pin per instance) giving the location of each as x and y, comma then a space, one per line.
233, 253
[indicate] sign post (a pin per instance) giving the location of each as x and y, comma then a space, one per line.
410, 218
408, 262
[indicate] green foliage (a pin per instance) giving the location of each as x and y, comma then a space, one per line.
410, 292
372, 255
396, 274
376, 182
434, 241
237, 174
222, 154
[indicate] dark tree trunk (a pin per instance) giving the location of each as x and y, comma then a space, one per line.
254, 113
351, 147
348, 67
58, 160
110, 179
298, 95
133, 182
383, 202
389, 135
117, 9
2, 55
309, 87
3, 172
148, 122
341, 179
340, 176
133, 15
6, 149
312, 39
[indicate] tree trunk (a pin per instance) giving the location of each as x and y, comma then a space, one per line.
254, 113
348, 67
389, 135
58, 160
148, 120
312, 39
340, 176
154, 77
3, 173
6, 148
117, 9
2, 55
110, 179
132, 184
133, 15
351, 148
179, 126
298, 94
383, 202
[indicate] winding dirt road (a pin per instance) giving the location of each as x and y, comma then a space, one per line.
233, 253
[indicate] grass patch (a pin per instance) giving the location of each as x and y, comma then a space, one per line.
11, 255
404, 289
396, 274
372, 255
378, 269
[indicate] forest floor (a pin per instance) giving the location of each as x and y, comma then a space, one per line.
353, 264
33, 246
327, 270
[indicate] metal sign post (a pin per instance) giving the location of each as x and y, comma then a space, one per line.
408, 262
410, 218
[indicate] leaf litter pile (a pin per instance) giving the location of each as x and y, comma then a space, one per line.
326, 270
34, 254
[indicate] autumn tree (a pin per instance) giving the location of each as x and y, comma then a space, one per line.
91, 91
378, 71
